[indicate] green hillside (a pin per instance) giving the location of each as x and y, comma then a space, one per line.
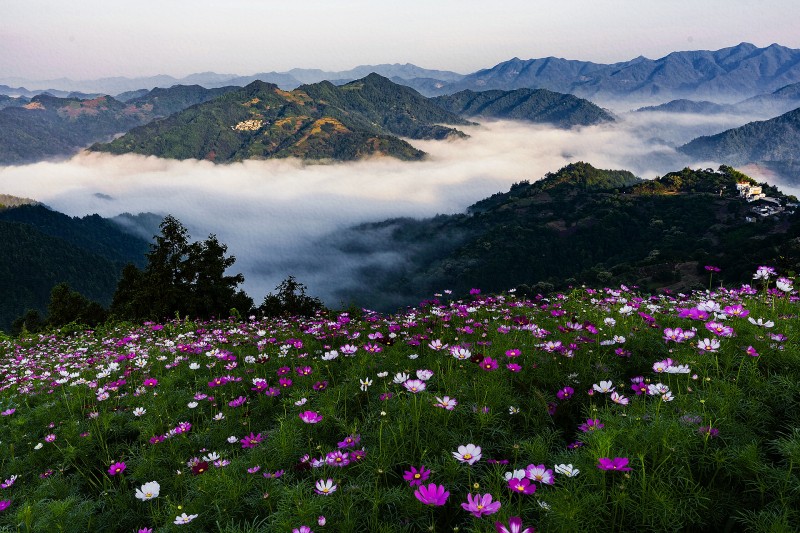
319, 121
534, 105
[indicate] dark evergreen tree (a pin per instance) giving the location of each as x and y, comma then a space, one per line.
290, 300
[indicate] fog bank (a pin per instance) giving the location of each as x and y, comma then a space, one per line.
275, 215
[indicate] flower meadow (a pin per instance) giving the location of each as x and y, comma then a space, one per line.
592, 410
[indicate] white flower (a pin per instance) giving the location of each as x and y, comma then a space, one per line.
760, 322
468, 454
519, 474
618, 398
301, 401
610, 322
219, 416
366, 383
708, 345
148, 491
424, 375
382, 374
412, 356
604, 386
544, 505
184, 518
139, 411
191, 405
400, 378
233, 439
194, 366
211, 457
330, 356
513, 410
38, 446
626, 310
567, 470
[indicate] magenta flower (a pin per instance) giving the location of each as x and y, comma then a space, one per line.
4, 504
8, 412
116, 468
415, 385
310, 417
565, 393
416, 477
752, 352
285, 383
489, 364
432, 494
521, 486
513, 353
251, 441
480, 505
617, 463
50, 438
302, 529
150, 382
514, 367
591, 424
540, 473
514, 526
349, 441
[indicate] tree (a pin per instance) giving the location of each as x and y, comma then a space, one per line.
291, 300
67, 306
181, 278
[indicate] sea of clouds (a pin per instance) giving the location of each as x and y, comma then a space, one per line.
277, 216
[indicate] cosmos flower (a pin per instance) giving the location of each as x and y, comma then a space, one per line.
416, 477
514, 526
468, 454
617, 463
446, 403
116, 468
310, 417
415, 385
432, 494
539, 473
184, 519
325, 487
565, 393
148, 491
480, 505
566, 470
521, 485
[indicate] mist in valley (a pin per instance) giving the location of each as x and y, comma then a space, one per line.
285, 217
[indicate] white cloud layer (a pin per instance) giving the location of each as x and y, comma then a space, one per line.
275, 215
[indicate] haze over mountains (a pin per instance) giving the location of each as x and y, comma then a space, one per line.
727, 75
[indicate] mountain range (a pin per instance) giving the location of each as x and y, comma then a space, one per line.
345, 122
723, 76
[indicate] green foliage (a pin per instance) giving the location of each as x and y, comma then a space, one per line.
290, 300
181, 278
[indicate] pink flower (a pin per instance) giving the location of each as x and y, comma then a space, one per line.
4, 504
150, 382
310, 417
116, 468
514, 526
489, 364
521, 486
565, 393
432, 494
251, 441
480, 505
50, 438
617, 463
540, 473
416, 477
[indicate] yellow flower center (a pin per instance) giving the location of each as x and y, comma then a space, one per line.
467, 456
417, 476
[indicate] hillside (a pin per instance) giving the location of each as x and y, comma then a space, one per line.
318, 121
42, 248
689, 106
534, 105
49, 127
579, 224
773, 141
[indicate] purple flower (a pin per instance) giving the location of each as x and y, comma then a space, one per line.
302, 529
310, 417
4, 504
540, 473
349, 441
480, 505
521, 486
432, 494
415, 385
8, 412
416, 477
116, 468
752, 352
514, 526
489, 364
251, 441
565, 393
617, 463
591, 424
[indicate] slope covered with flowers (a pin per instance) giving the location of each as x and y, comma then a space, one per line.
599, 409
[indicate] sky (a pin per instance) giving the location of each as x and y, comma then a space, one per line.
49, 39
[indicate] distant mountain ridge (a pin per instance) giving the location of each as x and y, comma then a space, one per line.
729, 74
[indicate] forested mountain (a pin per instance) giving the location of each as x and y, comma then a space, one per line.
773, 141
689, 106
579, 224
318, 121
534, 105
49, 127
42, 248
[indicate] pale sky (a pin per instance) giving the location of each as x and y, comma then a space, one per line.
46, 39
